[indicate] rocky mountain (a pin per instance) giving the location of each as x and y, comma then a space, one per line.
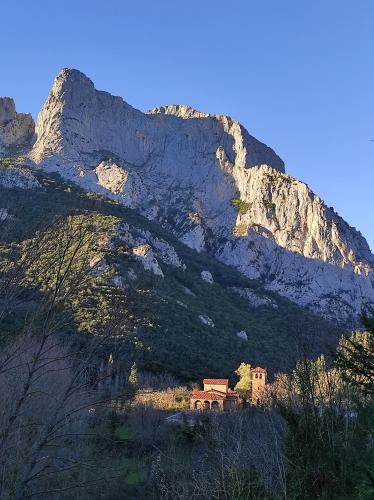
16, 129
183, 311
214, 186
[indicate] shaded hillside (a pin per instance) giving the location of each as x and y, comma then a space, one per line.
173, 308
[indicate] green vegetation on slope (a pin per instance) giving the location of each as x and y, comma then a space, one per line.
241, 205
170, 335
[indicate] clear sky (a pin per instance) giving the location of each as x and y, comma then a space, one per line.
299, 74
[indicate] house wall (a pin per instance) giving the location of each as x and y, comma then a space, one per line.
219, 404
192, 403
216, 387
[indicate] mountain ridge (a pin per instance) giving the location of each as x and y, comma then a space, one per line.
217, 188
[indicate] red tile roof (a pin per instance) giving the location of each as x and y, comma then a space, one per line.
214, 395
259, 370
218, 381
207, 395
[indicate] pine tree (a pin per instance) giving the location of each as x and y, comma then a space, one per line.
355, 358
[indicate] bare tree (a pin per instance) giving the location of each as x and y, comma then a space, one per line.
48, 386
236, 455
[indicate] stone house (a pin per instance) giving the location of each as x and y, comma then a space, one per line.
215, 396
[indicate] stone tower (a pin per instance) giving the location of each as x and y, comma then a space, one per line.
258, 384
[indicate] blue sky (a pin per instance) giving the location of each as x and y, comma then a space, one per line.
298, 74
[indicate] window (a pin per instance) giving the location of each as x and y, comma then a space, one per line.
256, 375
260, 376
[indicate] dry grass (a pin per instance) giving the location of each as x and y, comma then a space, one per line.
176, 398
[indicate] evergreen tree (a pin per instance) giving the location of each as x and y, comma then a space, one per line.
133, 377
355, 358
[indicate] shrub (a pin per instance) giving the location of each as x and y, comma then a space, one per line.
195, 217
241, 229
241, 205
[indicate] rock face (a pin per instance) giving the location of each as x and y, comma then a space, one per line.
289, 213
78, 120
16, 129
207, 276
144, 241
4, 214
254, 299
145, 255
206, 320
242, 335
215, 186
16, 177
111, 176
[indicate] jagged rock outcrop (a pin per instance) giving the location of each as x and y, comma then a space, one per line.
144, 253
17, 177
140, 238
206, 320
111, 176
242, 335
215, 186
16, 129
253, 298
207, 277
288, 212
4, 214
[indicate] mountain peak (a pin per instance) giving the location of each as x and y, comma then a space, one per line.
78, 120
218, 188
70, 80
73, 75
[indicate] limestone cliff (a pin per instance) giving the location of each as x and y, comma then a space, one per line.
215, 186
16, 129
77, 119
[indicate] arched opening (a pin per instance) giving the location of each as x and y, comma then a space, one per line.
198, 405
215, 405
206, 405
